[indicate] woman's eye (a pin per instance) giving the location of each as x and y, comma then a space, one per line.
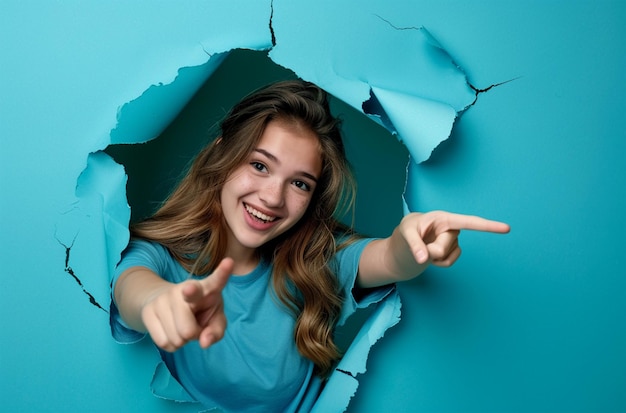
302, 185
258, 166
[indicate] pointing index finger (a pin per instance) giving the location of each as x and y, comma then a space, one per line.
219, 277
475, 223
196, 290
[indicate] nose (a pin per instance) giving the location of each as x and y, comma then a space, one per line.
272, 194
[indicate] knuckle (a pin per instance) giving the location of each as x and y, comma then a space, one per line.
218, 334
186, 333
436, 251
177, 342
443, 263
219, 329
163, 343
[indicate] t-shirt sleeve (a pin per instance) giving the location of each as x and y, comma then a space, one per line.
143, 254
347, 268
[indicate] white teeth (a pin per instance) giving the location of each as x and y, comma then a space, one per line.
259, 214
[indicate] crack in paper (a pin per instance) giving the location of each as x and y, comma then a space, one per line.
487, 89
271, 24
420, 120
70, 271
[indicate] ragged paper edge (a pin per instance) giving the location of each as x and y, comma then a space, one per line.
343, 383
97, 221
420, 119
421, 124
165, 386
98, 196
145, 117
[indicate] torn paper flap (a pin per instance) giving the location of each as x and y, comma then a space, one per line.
343, 383
145, 117
419, 87
421, 124
103, 182
95, 230
165, 386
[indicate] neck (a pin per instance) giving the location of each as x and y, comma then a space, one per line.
246, 260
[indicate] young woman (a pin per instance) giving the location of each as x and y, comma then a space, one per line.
244, 272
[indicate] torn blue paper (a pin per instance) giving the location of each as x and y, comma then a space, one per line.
343, 383
147, 116
416, 95
542, 153
97, 222
101, 187
417, 87
100, 195
165, 386
419, 123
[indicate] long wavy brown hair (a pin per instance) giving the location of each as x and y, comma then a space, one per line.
190, 222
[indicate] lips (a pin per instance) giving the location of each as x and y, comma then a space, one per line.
258, 214
259, 220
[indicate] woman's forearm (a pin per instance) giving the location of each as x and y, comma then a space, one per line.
134, 288
387, 261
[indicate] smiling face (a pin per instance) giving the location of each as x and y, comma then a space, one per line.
271, 191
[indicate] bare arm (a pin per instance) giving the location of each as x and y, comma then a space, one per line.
419, 240
174, 314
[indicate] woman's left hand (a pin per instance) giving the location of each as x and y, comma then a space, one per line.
419, 240
433, 236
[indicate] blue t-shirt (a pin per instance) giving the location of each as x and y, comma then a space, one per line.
256, 367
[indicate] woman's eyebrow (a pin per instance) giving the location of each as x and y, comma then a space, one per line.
308, 175
268, 155
275, 159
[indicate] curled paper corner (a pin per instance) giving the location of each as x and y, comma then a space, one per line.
407, 82
421, 114
343, 382
420, 124
443, 93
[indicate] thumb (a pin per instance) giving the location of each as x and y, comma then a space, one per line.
417, 246
195, 290
219, 277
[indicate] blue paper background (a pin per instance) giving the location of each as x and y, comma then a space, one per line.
531, 321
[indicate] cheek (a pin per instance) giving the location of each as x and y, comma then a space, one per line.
238, 182
300, 205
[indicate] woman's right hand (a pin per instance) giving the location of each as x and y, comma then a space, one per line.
176, 314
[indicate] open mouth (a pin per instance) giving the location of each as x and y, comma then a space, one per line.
258, 215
